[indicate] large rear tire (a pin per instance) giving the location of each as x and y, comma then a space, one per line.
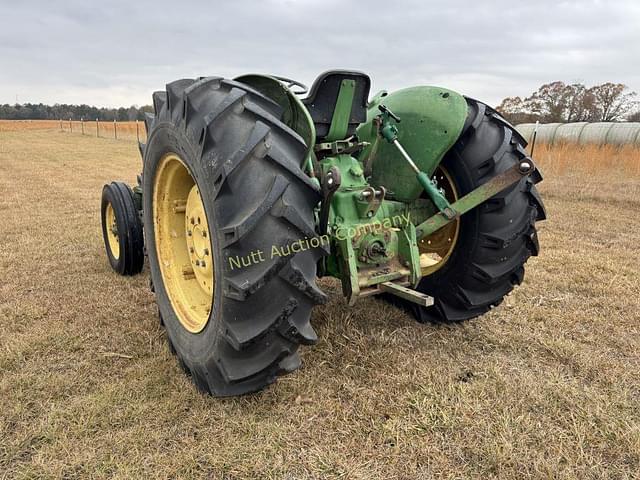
226, 142
494, 240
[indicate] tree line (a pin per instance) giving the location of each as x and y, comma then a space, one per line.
552, 102
561, 102
40, 111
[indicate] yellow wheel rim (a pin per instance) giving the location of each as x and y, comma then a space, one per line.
183, 243
437, 248
112, 231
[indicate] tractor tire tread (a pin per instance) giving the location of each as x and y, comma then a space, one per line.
500, 234
265, 308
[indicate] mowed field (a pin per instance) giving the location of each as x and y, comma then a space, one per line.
545, 386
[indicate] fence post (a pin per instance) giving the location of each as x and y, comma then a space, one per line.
97, 128
61, 126
70, 125
115, 129
82, 124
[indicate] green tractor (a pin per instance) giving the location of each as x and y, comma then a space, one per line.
253, 188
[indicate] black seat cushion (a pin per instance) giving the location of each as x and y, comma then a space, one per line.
323, 96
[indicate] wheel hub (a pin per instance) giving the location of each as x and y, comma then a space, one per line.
183, 244
198, 242
112, 231
437, 248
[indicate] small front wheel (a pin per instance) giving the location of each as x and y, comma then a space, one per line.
122, 229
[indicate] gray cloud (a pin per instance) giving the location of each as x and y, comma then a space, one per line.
116, 53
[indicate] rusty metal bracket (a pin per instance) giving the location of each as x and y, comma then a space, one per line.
406, 293
476, 197
348, 146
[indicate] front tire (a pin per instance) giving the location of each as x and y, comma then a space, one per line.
245, 164
495, 239
122, 229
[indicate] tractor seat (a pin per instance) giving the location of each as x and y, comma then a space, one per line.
333, 119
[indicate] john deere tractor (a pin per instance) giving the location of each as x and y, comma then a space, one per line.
253, 188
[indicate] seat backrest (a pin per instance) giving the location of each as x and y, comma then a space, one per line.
337, 103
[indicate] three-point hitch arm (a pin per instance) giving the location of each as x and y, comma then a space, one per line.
448, 212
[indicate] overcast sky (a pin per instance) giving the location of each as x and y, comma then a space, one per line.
115, 53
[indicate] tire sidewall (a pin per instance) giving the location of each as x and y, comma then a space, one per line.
167, 138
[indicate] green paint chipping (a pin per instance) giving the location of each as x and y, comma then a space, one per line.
342, 111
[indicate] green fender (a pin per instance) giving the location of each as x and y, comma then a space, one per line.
432, 119
295, 115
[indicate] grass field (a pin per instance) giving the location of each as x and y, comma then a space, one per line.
545, 386
122, 131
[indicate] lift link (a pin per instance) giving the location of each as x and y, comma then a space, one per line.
390, 133
481, 194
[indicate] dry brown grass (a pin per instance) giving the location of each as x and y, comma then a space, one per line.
20, 125
559, 160
545, 386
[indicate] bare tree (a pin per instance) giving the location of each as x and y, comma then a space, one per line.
580, 104
613, 101
549, 102
516, 111
560, 102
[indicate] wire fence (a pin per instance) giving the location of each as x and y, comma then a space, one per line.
116, 130
133, 130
